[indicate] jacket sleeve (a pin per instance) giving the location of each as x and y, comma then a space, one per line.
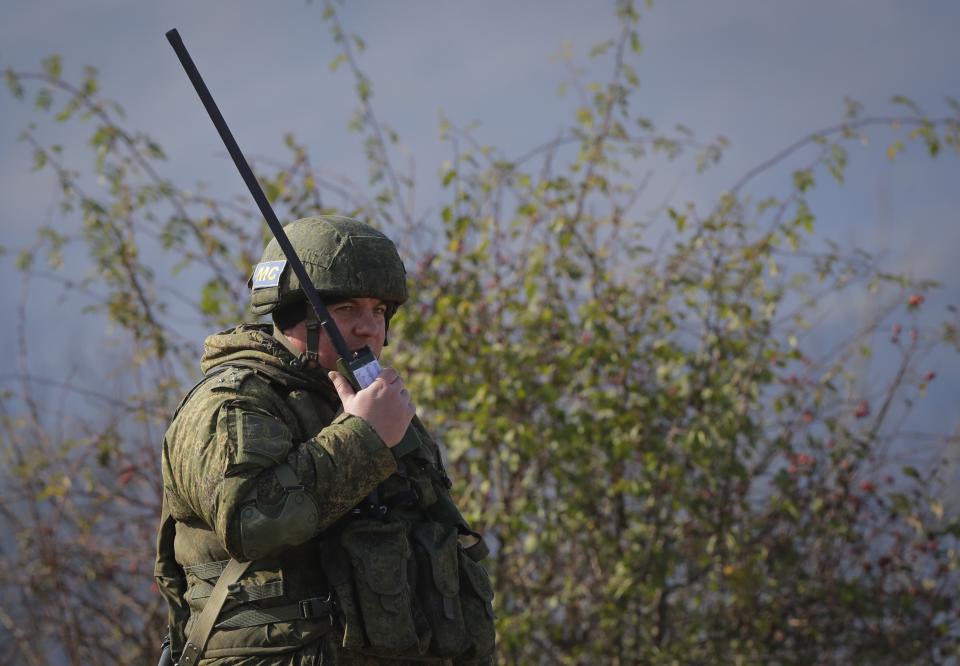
234, 464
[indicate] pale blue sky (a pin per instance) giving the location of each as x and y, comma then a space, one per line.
761, 72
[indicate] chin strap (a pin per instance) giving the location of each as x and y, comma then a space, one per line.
391, 310
312, 352
299, 361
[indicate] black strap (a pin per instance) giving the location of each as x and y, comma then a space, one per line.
316, 608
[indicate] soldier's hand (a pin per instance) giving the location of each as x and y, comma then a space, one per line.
386, 404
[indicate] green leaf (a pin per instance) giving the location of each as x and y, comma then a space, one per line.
336, 62
912, 472
210, 298
24, 260
363, 88
680, 221
601, 48
936, 508
89, 85
52, 66
894, 149
39, 159
43, 100
13, 83
853, 108
803, 179
909, 103
585, 116
155, 151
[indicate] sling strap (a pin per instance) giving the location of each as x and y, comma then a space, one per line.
309, 609
197, 639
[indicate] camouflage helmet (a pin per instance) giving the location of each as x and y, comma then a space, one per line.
344, 258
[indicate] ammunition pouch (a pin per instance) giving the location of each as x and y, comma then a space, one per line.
412, 588
371, 566
435, 549
477, 606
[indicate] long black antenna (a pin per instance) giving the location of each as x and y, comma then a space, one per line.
329, 325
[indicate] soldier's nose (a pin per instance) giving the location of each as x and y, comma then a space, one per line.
366, 325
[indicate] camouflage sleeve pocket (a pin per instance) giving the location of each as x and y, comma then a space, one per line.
262, 441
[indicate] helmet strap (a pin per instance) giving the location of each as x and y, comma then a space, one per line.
312, 352
301, 359
391, 310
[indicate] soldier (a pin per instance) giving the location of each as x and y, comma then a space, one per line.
278, 474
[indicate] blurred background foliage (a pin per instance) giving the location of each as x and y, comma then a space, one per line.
666, 472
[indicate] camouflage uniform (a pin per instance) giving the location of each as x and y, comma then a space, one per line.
261, 464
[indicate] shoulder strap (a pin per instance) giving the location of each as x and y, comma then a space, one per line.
197, 640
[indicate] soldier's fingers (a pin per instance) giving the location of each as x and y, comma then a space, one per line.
344, 390
379, 386
389, 376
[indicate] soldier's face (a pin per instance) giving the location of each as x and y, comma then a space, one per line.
362, 322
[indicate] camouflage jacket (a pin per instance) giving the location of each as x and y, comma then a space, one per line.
262, 449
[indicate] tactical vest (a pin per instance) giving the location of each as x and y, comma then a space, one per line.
398, 576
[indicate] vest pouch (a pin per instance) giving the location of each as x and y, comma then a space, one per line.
477, 604
339, 573
425, 490
438, 587
380, 555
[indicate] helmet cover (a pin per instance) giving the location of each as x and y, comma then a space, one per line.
343, 257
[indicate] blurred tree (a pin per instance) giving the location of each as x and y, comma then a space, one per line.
667, 475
